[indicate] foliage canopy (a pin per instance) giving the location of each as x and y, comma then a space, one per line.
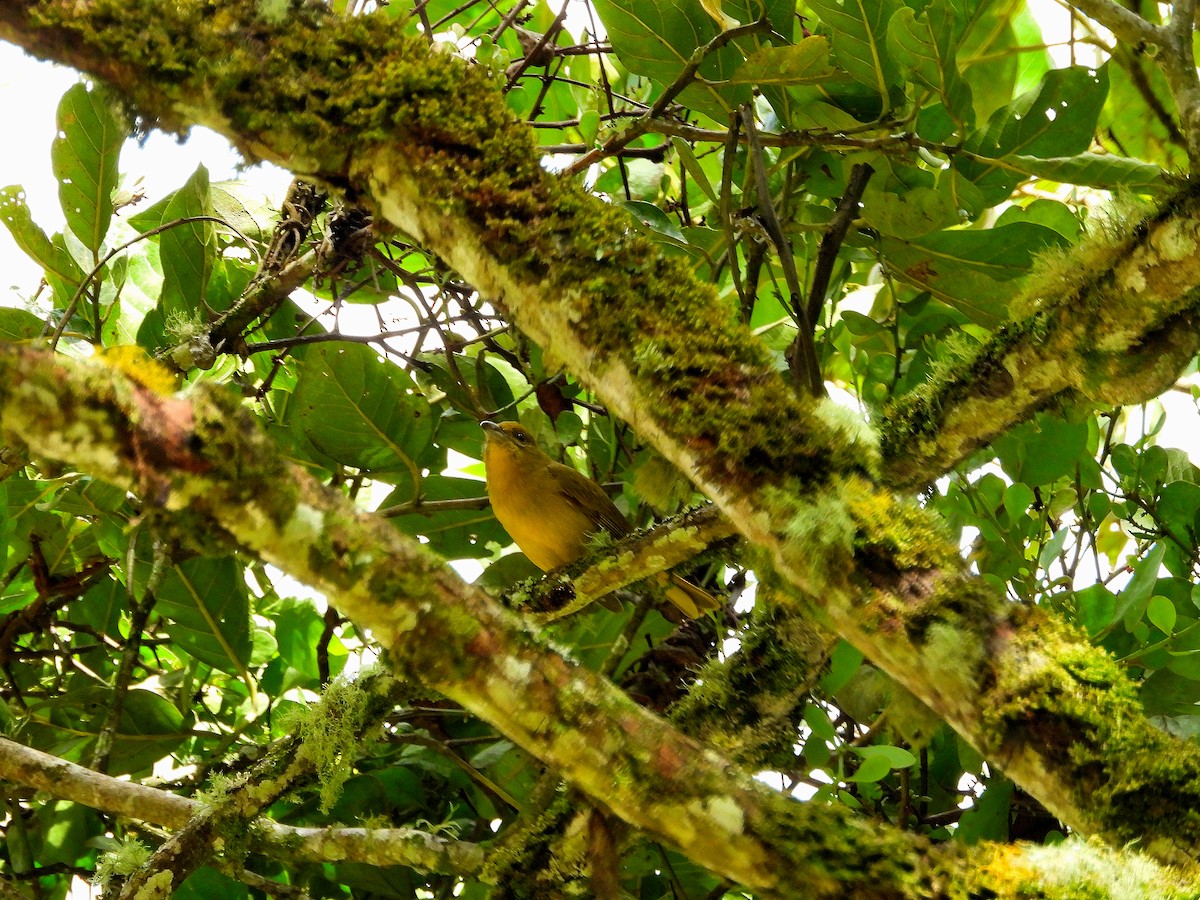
918, 205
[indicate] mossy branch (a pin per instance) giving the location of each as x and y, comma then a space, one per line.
379, 846
1110, 322
630, 560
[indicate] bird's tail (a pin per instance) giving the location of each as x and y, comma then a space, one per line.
691, 600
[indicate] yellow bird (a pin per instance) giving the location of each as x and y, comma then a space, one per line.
550, 510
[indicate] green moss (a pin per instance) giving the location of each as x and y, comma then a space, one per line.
1077, 705
1087, 869
129, 856
749, 707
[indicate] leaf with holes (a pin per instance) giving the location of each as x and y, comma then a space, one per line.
1056, 119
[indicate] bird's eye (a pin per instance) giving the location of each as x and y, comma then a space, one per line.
520, 437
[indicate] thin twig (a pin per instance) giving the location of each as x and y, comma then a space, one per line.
685, 77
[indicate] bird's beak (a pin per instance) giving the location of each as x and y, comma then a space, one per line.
489, 425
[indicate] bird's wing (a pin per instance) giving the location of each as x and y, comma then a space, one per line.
587, 496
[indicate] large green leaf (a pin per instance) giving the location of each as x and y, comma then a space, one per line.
187, 251
62, 272
927, 46
456, 534
657, 38
150, 727
858, 30
988, 56
1056, 119
360, 411
1097, 170
1043, 450
84, 156
804, 63
208, 608
65, 830
19, 325
971, 271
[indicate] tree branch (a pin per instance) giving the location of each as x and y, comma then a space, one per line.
205, 455
1112, 323
629, 561
371, 846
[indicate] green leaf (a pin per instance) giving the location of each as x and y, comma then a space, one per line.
19, 325
206, 883
692, 166
1053, 547
1164, 693
84, 156
878, 761
656, 38
804, 63
1095, 607
209, 611
970, 270
643, 176
1056, 119
818, 721
927, 46
1132, 601
1096, 170
1177, 507
62, 272
859, 34
1017, 499
360, 411
298, 628
909, 212
844, 661
1161, 613
987, 820
455, 534
1042, 451
187, 251
995, 51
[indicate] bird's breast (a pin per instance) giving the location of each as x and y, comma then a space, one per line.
548, 528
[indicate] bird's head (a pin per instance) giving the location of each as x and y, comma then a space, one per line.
509, 439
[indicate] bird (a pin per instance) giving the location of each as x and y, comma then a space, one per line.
550, 509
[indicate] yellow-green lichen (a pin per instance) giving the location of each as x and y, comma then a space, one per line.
129, 856
157, 886
330, 732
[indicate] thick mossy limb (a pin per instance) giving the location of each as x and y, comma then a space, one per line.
1110, 321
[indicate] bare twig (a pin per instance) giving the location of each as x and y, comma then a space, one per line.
139, 614
642, 125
